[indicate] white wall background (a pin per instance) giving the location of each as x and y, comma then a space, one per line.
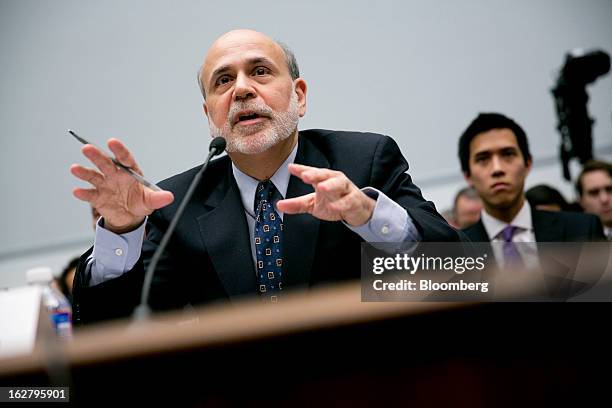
417, 70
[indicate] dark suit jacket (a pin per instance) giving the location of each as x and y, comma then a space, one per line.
550, 226
209, 256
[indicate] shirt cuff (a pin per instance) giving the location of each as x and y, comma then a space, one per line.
114, 254
390, 222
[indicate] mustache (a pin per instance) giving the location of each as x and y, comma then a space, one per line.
259, 108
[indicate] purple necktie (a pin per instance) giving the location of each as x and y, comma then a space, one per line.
512, 257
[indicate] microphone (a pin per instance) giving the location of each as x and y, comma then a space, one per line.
218, 144
143, 311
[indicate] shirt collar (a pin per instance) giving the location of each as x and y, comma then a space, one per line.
494, 227
247, 184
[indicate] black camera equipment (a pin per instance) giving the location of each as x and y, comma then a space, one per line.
575, 125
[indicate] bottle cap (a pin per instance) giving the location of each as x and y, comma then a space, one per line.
41, 274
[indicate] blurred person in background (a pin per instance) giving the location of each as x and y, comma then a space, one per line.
95, 215
546, 198
66, 279
495, 160
467, 207
594, 188
449, 216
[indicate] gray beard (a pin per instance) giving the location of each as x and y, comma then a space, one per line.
283, 124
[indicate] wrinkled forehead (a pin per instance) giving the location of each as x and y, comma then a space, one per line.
234, 49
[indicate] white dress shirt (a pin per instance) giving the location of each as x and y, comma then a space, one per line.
524, 234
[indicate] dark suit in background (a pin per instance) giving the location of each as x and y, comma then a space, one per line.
549, 226
552, 226
209, 256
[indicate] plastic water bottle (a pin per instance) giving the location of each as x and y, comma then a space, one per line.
55, 302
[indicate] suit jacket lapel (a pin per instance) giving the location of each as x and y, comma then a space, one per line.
301, 230
477, 232
226, 236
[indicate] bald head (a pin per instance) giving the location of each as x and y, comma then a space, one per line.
240, 40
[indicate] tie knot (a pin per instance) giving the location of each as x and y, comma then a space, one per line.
508, 232
265, 193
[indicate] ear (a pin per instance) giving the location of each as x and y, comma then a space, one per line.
300, 89
205, 109
468, 179
528, 166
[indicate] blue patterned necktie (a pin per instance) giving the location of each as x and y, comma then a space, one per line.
268, 241
512, 257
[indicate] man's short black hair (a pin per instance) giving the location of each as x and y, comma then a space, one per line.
543, 194
61, 280
592, 165
483, 123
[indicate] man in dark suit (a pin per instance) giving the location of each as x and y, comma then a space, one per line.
495, 160
285, 209
594, 188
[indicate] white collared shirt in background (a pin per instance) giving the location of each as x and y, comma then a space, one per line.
524, 234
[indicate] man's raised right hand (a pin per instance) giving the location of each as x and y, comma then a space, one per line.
119, 198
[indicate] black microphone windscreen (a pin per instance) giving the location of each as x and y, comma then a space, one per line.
218, 143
